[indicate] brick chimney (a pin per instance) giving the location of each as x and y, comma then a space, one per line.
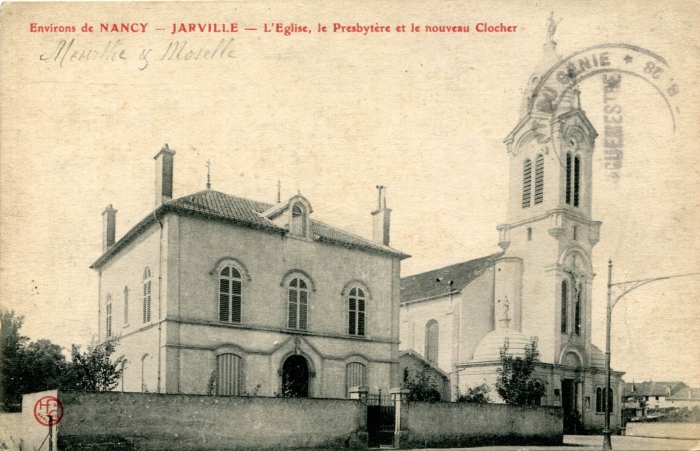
109, 227
381, 219
164, 175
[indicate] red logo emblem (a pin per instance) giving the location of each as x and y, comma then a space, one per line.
48, 405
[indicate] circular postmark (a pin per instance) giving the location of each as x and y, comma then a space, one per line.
48, 406
618, 58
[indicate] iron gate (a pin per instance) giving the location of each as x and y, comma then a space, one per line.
381, 421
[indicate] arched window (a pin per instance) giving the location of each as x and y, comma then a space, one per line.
355, 376
432, 331
298, 295
229, 295
126, 305
228, 375
529, 233
577, 309
577, 180
600, 400
527, 182
108, 312
564, 305
568, 177
144, 386
356, 312
147, 295
539, 179
298, 226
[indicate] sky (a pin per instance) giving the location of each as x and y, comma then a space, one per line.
332, 115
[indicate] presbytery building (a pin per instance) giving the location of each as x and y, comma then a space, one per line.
216, 294
539, 284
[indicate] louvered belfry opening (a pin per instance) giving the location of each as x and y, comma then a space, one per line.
577, 180
527, 182
539, 179
230, 295
568, 178
298, 303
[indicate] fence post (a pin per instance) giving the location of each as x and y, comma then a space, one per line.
400, 397
359, 393
50, 433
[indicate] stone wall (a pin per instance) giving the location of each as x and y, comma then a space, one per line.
10, 430
111, 420
444, 425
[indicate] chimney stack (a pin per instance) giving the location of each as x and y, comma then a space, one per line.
381, 219
109, 219
164, 175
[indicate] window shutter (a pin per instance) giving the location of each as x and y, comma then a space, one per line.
292, 323
352, 313
527, 181
303, 300
236, 301
228, 375
356, 376
539, 179
360, 317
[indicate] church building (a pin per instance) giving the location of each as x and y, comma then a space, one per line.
539, 284
216, 294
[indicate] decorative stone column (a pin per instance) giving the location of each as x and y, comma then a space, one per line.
400, 398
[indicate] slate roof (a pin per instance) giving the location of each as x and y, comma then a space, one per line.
245, 212
425, 286
651, 388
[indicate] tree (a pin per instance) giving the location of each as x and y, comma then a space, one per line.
94, 370
476, 395
26, 368
46, 364
13, 373
422, 387
514, 383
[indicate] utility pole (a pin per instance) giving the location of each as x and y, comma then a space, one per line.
626, 287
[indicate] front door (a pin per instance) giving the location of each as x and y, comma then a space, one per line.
295, 377
568, 404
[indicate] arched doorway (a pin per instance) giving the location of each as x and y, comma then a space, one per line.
295, 377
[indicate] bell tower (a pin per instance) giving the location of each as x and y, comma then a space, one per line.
549, 234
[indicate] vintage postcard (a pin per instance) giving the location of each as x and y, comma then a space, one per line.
344, 200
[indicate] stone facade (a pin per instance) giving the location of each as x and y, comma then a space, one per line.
212, 293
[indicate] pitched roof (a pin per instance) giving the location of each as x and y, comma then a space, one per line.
425, 285
651, 388
685, 394
245, 212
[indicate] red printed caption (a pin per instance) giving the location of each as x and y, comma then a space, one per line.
285, 29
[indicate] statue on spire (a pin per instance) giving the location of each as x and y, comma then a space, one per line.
551, 27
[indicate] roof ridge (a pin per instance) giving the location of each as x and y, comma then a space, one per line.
454, 265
